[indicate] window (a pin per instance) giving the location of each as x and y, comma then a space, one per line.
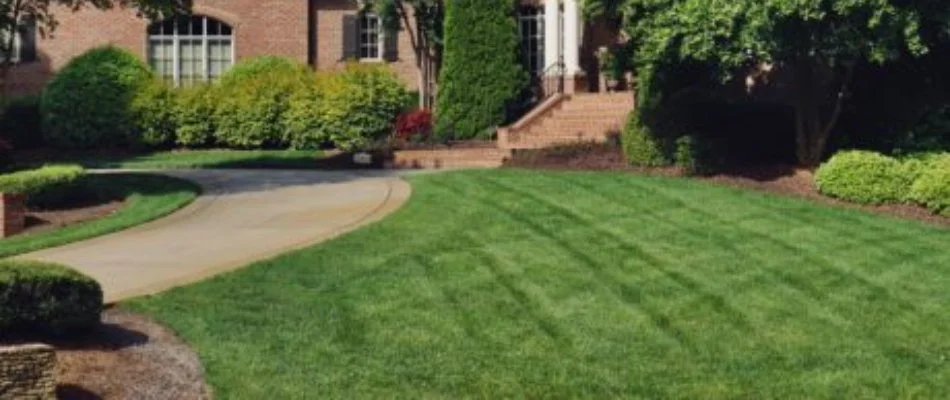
24, 43
371, 38
185, 51
531, 24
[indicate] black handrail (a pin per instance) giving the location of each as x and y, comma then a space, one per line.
552, 79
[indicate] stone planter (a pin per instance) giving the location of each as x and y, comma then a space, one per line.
13, 213
28, 372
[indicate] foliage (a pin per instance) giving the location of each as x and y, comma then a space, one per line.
304, 119
932, 188
153, 110
358, 105
414, 125
641, 146
193, 106
819, 43
251, 100
89, 103
32, 181
38, 300
474, 97
20, 122
864, 177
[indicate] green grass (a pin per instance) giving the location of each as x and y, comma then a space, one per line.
188, 159
497, 284
147, 197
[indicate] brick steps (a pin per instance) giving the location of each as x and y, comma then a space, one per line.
449, 158
570, 118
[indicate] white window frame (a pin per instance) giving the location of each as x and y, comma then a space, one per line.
17, 50
205, 39
535, 18
380, 41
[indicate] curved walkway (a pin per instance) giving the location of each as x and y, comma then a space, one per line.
243, 216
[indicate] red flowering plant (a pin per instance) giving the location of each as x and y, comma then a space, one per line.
414, 126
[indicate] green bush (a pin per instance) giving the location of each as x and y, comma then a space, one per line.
354, 106
251, 100
304, 121
32, 181
641, 147
932, 187
39, 300
20, 122
192, 110
154, 112
865, 177
89, 103
474, 96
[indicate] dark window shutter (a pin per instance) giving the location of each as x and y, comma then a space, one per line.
391, 46
351, 34
27, 33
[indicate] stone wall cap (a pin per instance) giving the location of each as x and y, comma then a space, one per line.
6, 349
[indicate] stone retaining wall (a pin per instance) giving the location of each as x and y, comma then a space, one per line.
28, 372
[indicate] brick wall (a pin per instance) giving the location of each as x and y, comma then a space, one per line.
12, 214
261, 27
28, 372
329, 33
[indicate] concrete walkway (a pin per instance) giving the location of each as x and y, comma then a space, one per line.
243, 216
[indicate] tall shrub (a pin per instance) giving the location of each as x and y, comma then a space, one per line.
193, 108
90, 101
480, 74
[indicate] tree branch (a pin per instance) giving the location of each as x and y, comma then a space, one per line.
839, 102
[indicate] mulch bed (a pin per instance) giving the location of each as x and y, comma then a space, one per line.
783, 180
129, 357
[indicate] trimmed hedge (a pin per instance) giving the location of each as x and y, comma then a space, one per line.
932, 188
474, 96
39, 300
89, 103
28, 182
864, 177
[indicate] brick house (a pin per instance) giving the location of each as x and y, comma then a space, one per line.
557, 45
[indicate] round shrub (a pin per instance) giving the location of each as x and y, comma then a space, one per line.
932, 187
864, 177
32, 181
303, 122
89, 102
640, 146
40, 300
154, 114
414, 125
192, 112
251, 100
359, 104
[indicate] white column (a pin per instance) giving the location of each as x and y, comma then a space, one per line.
572, 37
552, 35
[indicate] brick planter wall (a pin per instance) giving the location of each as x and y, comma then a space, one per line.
12, 213
28, 372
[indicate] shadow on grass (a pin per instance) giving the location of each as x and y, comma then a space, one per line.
194, 159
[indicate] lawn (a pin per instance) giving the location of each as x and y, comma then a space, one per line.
186, 159
496, 284
147, 197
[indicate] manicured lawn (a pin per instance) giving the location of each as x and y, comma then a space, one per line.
497, 284
288, 159
147, 197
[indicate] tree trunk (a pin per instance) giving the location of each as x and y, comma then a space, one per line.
811, 129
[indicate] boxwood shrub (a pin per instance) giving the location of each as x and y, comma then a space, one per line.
39, 300
89, 103
932, 187
641, 147
32, 181
864, 177
193, 107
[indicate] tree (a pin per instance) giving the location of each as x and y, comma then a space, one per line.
16, 13
817, 42
423, 20
481, 74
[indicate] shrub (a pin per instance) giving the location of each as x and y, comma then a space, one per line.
32, 181
251, 100
641, 147
303, 121
358, 105
154, 113
474, 97
864, 177
932, 187
39, 300
89, 102
414, 125
20, 122
192, 110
